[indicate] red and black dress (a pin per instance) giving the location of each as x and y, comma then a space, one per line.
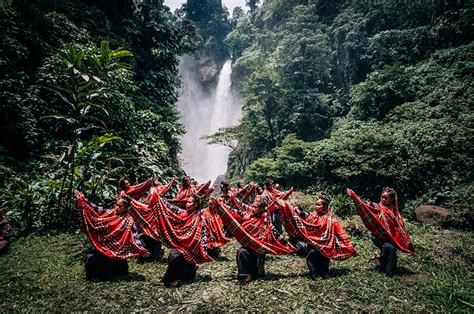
388, 229
192, 235
253, 229
137, 191
319, 236
114, 237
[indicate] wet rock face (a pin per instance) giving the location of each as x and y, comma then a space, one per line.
209, 69
430, 214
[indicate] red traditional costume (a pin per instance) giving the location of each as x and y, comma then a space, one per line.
274, 194
244, 193
384, 223
160, 189
191, 233
203, 189
111, 234
321, 231
254, 231
164, 189
185, 194
137, 191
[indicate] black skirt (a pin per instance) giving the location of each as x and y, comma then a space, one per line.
154, 247
318, 264
178, 268
101, 267
250, 263
388, 256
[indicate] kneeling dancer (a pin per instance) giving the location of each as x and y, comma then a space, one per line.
192, 235
114, 236
318, 235
253, 229
386, 224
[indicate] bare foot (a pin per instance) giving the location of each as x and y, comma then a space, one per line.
248, 279
375, 257
173, 284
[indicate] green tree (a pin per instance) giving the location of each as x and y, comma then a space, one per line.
78, 83
211, 19
238, 14
129, 127
252, 4
381, 92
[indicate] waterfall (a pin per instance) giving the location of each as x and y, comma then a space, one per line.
203, 114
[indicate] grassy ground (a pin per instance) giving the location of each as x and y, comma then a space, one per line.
47, 273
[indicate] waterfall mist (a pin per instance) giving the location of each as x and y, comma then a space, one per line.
203, 113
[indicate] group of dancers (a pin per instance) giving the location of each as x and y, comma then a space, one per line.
144, 218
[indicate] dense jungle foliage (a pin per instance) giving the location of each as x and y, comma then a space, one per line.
79, 111
337, 94
213, 24
360, 94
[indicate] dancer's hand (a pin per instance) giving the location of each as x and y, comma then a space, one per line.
349, 192
78, 194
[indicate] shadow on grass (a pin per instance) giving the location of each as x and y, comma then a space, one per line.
399, 272
161, 261
403, 271
199, 278
203, 278
333, 273
268, 277
271, 276
123, 278
338, 272
222, 259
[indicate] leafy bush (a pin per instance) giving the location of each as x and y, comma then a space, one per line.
376, 94
74, 115
343, 206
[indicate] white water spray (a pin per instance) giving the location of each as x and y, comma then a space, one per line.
203, 114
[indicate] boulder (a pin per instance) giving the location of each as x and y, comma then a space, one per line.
432, 215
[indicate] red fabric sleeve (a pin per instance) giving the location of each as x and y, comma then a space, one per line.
137, 191
202, 189
254, 233
111, 234
192, 234
384, 223
323, 232
163, 190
